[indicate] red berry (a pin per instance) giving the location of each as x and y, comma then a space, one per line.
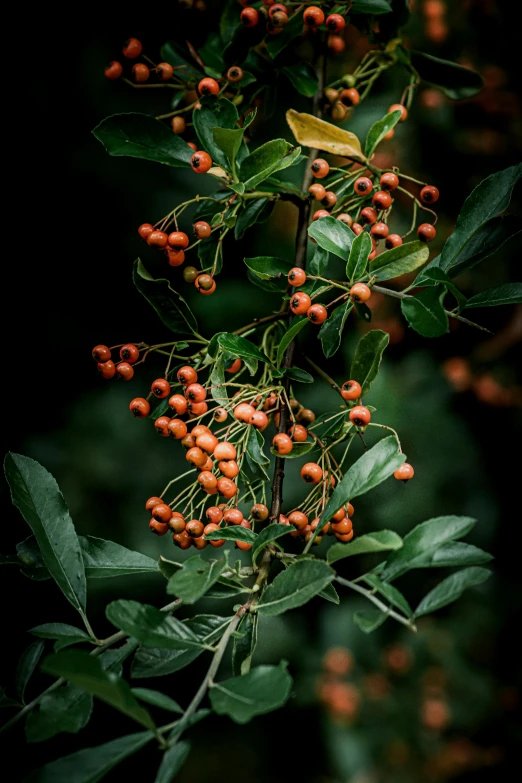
298, 433
178, 125
175, 257
360, 292
205, 284
165, 71
259, 512
282, 443
161, 425
300, 303
139, 407
360, 416
350, 97
177, 428
234, 367
335, 23
157, 239
107, 369
320, 168
226, 487
337, 45
317, 314
317, 191
225, 451
379, 230
132, 48
114, 70
145, 230
202, 229
183, 540
186, 375
399, 107
178, 403
195, 528
100, 353
208, 86
249, 17
429, 194
345, 218
125, 370
151, 502
321, 213
297, 277
368, 215
235, 74
362, 186
404, 473
330, 199
195, 392
311, 473
178, 240
426, 232
389, 181
159, 528
351, 390
140, 72
160, 388
393, 240
382, 199
201, 162
129, 353
313, 16
357, 229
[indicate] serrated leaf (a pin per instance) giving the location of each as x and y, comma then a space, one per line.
400, 260
379, 130
331, 331
270, 533
457, 553
196, 577
172, 762
269, 267
367, 358
263, 689
425, 312
214, 113
303, 77
369, 621
380, 541
318, 134
298, 450
451, 589
295, 587
26, 666
455, 81
142, 136
156, 699
168, 304
37, 495
332, 235
289, 336
358, 258
509, 293
150, 626
64, 634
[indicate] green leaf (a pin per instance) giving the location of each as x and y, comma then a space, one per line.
303, 78
394, 596
358, 258
268, 534
196, 577
370, 470
267, 267
379, 130
367, 358
423, 541
256, 459
295, 587
229, 141
88, 673
369, 621
425, 312
299, 375
37, 495
331, 331
64, 634
244, 645
26, 666
142, 136
218, 389
210, 252
363, 311
332, 235
455, 81
372, 7
214, 113
91, 764
172, 762
264, 161
169, 305
240, 346
232, 533
298, 450
509, 293
276, 43
153, 662
157, 699
437, 276
208, 627
319, 262
380, 541
263, 689
171, 52
297, 325
256, 211
150, 626
400, 260
457, 553
106, 558
451, 589
485, 241
330, 594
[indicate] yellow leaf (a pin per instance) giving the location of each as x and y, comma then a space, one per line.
318, 134
217, 171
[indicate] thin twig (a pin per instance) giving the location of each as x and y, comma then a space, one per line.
379, 604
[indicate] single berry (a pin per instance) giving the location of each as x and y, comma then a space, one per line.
220, 415
145, 230
139, 407
298, 433
175, 257
311, 473
282, 443
389, 181
360, 416
159, 528
183, 540
195, 392
205, 283
228, 468
351, 390
202, 229
195, 528
125, 370
214, 514
259, 419
393, 240
345, 218
305, 416
129, 353
362, 186
336, 44
335, 23
313, 16
161, 425
321, 213
101, 353
132, 48
206, 441
404, 473
426, 232
162, 512
226, 487
114, 70
249, 17
330, 199
140, 72
399, 107
234, 74
350, 97
190, 274
151, 502
165, 71
320, 168
317, 314
275, 7
344, 539
225, 451
360, 292
178, 125
317, 191
178, 403
196, 456
259, 512
298, 519
186, 375
160, 388
297, 277
368, 215
300, 303
244, 411
429, 194
107, 369
382, 199
200, 543
157, 239
357, 229
233, 516
379, 230
177, 428
279, 19
201, 162
234, 367
343, 527
208, 86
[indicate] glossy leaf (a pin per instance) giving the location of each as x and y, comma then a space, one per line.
264, 161
379, 130
369, 621
196, 577
298, 450
331, 331
392, 595
319, 262
318, 134
425, 312
142, 136
370, 470
451, 589
244, 645
299, 375
457, 553
263, 689
400, 260
91, 764
240, 346
367, 358
156, 699
168, 304
423, 541
214, 113
106, 559
208, 627
37, 495
256, 211
256, 458
380, 541
509, 293
276, 43
297, 325
437, 276
330, 594
268, 267
358, 258
150, 626
229, 142
372, 7
303, 77
26, 666
64, 634
485, 241
332, 235
232, 533
270, 533
87, 673
295, 587
217, 379
172, 762
455, 81
155, 662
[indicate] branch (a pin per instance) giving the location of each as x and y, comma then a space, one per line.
379, 604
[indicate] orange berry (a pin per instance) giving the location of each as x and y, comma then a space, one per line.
132, 48
311, 473
114, 70
360, 292
282, 443
226, 487
139, 407
399, 107
351, 390
404, 473
317, 314
360, 416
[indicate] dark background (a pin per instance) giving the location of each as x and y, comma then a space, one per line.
68, 287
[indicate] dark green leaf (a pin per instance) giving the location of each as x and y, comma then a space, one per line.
91, 764
196, 577
289, 336
208, 627
400, 260
425, 312
372, 7
301, 376
172, 762
457, 553
26, 666
423, 541
256, 458
509, 293
35, 492
157, 699
319, 262
451, 589
67, 709
240, 346
171, 52
394, 596
232, 533
244, 645
265, 160
153, 662
358, 258
370, 470
214, 113
169, 305
332, 235
254, 212
331, 331
298, 450
379, 130
437, 276
267, 267
106, 558
455, 81
330, 594
268, 534
276, 43
218, 389
363, 311
87, 673
31, 559
303, 77
150, 626
229, 141
367, 358
369, 621
263, 689
64, 634
295, 587
210, 252
485, 241
141, 136
380, 541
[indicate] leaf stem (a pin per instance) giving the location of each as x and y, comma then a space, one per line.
379, 604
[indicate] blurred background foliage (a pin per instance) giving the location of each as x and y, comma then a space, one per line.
385, 708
